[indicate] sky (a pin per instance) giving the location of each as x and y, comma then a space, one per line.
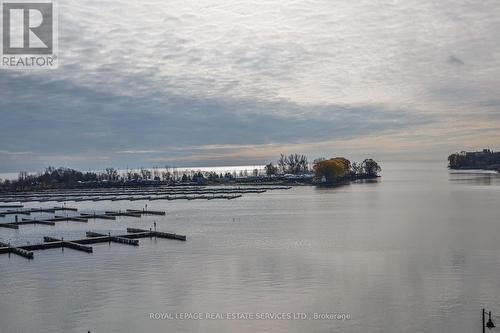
219, 82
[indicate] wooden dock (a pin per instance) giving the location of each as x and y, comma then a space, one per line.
116, 239
120, 213
50, 221
11, 206
83, 217
29, 211
98, 216
130, 238
117, 194
146, 212
69, 218
72, 245
6, 248
134, 233
9, 226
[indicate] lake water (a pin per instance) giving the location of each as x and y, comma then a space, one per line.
416, 251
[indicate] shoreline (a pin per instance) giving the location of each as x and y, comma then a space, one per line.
163, 184
495, 169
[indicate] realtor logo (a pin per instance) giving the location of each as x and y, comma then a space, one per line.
29, 34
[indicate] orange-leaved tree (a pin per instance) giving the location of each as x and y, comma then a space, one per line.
331, 169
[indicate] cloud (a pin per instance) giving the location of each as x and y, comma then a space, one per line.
455, 61
135, 152
6, 152
96, 123
153, 80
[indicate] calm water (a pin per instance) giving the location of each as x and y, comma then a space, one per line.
416, 251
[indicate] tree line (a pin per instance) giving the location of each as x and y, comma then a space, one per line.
66, 177
324, 170
485, 159
288, 164
321, 171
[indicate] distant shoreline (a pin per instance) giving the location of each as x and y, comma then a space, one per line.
475, 160
293, 169
495, 169
249, 181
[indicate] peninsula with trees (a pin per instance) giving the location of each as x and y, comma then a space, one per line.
293, 169
324, 171
483, 160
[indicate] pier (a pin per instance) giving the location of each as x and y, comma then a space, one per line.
116, 239
120, 194
146, 212
130, 238
11, 206
62, 243
6, 248
29, 211
134, 233
83, 217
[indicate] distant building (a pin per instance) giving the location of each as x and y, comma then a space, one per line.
485, 159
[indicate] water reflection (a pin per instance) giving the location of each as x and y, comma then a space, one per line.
417, 250
475, 177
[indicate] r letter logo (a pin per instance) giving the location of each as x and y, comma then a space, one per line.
29, 35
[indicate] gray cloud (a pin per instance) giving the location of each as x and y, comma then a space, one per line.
66, 120
454, 60
164, 80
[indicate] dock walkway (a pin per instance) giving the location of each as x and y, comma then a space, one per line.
130, 238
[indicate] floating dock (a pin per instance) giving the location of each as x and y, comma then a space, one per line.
83, 217
29, 211
6, 248
118, 194
130, 238
146, 212
11, 206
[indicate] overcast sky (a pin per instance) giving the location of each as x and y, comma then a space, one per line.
186, 83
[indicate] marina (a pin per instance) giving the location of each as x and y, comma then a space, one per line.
354, 249
130, 238
162, 193
82, 217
